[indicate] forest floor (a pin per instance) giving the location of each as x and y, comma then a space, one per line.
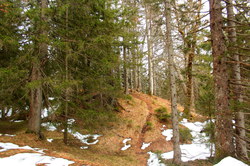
127, 143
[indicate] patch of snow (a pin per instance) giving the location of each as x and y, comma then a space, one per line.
49, 140
154, 160
49, 126
71, 121
163, 127
85, 138
230, 161
7, 135
190, 152
145, 145
126, 146
9, 113
18, 121
31, 159
45, 113
195, 128
51, 98
9, 146
199, 149
84, 147
168, 134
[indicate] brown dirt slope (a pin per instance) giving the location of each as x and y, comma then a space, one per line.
137, 121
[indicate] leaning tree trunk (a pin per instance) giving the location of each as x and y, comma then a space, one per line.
241, 146
170, 52
223, 126
34, 124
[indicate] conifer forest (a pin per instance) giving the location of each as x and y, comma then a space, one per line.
125, 82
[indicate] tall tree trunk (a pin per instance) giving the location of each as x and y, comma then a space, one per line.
224, 145
154, 80
125, 70
34, 124
170, 52
150, 52
241, 146
41, 48
65, 133
181, 78
135, 69
139, 74
189, 84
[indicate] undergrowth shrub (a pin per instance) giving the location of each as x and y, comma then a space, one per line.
93, 119
209, 131
185, 135
149, 125
162, 114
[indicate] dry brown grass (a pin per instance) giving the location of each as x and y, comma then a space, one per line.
107, 152
95, 156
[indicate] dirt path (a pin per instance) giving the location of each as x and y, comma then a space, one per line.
142, 155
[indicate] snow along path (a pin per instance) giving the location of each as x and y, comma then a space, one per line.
199, 149
29, 159
145, 145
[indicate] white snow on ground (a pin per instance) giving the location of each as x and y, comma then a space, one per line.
49, 126
71, 121
84, 147
126, 146
18, 121
7, 135
49, 140
47, 111
145, 145
168, 134
8, 146
29, 159
230, 161
154, 160
51, 98
85, 138
190, 152
199, 149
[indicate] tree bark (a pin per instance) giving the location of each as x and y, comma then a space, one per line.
241, 146
150, 52
125, 71
66, 109
170, 52
224, 145
34, 124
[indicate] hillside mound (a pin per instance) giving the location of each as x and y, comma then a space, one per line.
127, 142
